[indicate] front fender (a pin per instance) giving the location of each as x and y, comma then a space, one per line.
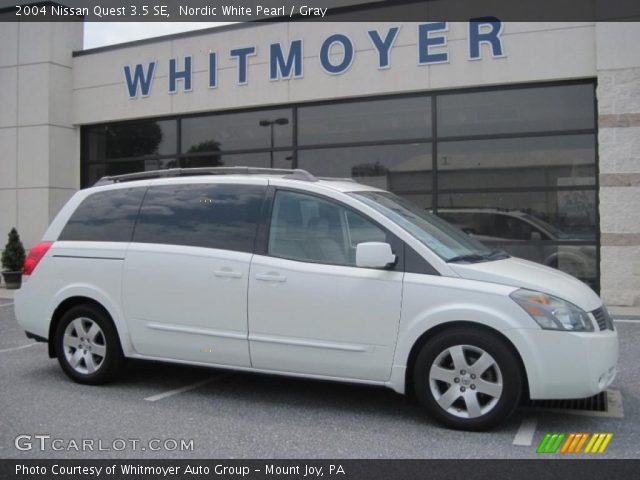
433, 302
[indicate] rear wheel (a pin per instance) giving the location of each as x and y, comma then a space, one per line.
87, 345
468, 379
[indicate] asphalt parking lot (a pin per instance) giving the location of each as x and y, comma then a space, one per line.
234, 415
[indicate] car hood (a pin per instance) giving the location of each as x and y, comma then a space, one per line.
520, 273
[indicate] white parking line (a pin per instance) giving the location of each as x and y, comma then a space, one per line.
524, 436
193, 386
5, 304
627, 320
21, 347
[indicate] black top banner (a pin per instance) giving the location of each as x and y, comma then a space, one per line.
318, 10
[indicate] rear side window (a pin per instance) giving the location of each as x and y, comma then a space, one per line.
105, 216
212, 216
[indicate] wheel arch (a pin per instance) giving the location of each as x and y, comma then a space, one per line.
442, 327
67, 304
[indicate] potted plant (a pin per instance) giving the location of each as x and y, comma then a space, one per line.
13, 260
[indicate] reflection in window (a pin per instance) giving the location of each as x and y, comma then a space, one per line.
128, 140
221, 216
399, 168
105, 216
237, 131
96, 171
557, 215
558, 161
372, 120
540, 109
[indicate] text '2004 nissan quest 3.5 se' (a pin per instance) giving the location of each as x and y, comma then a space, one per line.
277, 271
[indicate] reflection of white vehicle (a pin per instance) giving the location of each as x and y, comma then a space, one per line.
526, 236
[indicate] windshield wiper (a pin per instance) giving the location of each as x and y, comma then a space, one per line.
497, 255
469, 257
477, 257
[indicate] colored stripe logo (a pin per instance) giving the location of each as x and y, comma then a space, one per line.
574, 443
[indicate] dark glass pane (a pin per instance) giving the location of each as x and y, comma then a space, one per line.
105, 216
237, 131
517, 162
536, 109
399, 168
370, 120
261, 160
308, 228
213, 216
96, 171
564, 216
132, 140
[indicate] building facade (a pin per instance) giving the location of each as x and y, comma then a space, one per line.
522, 134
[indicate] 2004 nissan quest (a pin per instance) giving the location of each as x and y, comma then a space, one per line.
277, 271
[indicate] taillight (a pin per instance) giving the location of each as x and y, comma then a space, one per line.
34, 257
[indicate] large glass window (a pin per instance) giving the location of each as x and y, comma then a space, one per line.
130, 140
237, 131
403, 168
556, 161
221, 216
517, 110
371, 120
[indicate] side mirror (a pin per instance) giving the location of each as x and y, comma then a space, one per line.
374, 255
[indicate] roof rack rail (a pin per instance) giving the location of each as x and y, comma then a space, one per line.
295, 174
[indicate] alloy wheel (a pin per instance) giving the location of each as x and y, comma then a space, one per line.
465, 381
84, 345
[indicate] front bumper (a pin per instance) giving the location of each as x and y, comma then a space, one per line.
565, 365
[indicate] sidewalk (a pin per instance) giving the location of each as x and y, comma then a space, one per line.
6, 294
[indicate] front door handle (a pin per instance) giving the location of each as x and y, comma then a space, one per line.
271, 277
227, 273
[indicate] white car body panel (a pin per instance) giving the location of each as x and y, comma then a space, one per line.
206, 322
329, 320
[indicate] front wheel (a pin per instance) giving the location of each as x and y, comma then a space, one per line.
468, 379
87, 345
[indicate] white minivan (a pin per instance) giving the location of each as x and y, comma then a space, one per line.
280, 272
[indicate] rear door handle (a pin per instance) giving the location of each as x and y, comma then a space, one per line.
227, 273
271, 277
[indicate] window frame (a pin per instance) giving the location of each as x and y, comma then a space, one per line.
262, 240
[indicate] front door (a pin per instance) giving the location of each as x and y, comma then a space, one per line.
311, 310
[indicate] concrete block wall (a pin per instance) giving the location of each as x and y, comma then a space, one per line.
618, 95
39, 146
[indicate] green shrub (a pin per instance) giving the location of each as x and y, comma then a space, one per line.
13, 253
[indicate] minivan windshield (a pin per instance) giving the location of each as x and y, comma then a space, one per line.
448, 242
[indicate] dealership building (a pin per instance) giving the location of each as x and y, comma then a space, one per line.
525, 135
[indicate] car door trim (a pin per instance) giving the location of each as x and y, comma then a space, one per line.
195, 331
299, 342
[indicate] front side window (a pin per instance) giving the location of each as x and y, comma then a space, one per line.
309, 228
212, 216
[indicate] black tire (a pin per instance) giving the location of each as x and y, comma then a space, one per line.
491, 408
104, 368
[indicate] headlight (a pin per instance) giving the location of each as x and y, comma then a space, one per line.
553, 313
